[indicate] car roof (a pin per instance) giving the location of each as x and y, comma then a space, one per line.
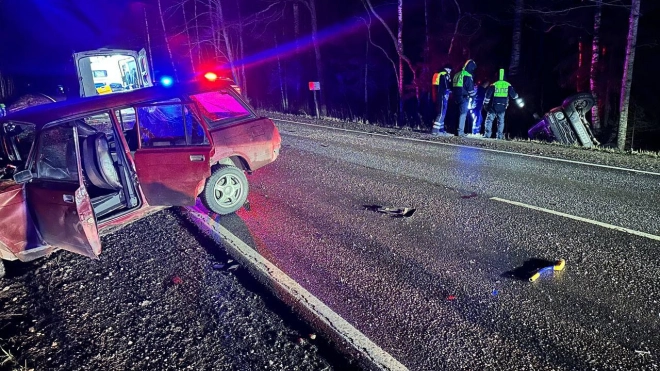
43, 114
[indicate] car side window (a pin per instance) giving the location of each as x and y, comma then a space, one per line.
220, 107
169, 124
126, 117
56, 154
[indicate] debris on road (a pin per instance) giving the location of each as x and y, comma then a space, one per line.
557, 266
532, 267
233, 267
471, 195
395, 212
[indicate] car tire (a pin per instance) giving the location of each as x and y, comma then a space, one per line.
226, 190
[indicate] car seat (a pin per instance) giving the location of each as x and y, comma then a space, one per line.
105, 188
98, 163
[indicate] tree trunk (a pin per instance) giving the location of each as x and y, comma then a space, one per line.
241, 50
185, 23
167, 41
285, 100
366, 84
626, 82
317, 54
296, 34
199, 44
517, 39
593, 75
399, 46
151, 55
225, 35
458, 21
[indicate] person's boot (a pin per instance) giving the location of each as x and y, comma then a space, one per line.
435, 131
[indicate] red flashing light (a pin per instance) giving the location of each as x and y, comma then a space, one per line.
210, 76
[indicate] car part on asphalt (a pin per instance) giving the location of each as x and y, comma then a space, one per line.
395, 212
226, 190
567, 124
558, 266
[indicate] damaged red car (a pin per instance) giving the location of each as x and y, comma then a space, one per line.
71, 169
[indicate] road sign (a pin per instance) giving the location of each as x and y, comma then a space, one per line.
314, 85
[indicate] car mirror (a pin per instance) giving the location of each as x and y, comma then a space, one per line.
23, 176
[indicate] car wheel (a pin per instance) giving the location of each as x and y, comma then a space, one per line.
226, 190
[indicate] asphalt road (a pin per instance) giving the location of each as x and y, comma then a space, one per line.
447, 288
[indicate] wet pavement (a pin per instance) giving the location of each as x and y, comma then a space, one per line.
436, 289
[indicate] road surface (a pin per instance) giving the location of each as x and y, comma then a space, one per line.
447, 288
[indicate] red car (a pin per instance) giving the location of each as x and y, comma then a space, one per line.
73, 168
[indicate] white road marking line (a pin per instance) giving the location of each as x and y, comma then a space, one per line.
581, 219
479, 148
283, 283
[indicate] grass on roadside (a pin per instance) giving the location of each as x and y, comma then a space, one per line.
330, 120
7, 358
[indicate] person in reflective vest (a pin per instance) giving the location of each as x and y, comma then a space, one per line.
441, 90
463, 90
496, 103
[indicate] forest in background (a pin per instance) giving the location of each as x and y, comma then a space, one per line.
373, 58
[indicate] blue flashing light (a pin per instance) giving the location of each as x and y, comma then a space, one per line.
166, 81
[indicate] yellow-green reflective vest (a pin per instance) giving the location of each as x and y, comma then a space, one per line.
458, 78
501, 89
436, 77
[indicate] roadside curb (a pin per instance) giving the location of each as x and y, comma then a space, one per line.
350, 341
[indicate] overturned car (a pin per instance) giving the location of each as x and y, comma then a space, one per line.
567, 124
71, 169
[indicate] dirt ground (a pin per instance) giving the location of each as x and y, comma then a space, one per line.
161, 297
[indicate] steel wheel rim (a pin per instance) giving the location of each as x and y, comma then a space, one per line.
228, 190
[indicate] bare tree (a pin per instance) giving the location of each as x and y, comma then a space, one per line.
146, 27
399, 48
626, 82
398, 45
186, 29
167, 41
517, 38
225, 36
311, 6
595, 56
241, 49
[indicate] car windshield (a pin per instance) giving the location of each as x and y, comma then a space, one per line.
220, 106
15, 143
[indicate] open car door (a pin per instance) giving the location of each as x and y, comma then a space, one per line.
57, 196
111, 67
145, 70
174, 156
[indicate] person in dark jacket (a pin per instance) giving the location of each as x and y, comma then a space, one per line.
496, 103
476, 106
442, 88
463, 90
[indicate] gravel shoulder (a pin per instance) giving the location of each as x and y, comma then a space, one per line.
603, 156
161, 297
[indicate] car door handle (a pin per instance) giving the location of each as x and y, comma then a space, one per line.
68, 198
197, 158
